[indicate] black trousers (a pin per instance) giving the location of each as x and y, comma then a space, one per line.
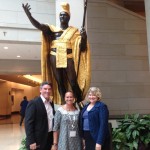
48, 145
49, 141
21, 120
90, 143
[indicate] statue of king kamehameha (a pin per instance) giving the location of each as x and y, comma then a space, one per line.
65, 56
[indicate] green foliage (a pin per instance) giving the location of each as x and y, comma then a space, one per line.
131, 130
23, 144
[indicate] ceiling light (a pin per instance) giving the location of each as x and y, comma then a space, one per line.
5, 47
18, 56
32, 78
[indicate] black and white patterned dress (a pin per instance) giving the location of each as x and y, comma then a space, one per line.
64, 122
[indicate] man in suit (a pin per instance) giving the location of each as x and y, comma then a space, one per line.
39, 120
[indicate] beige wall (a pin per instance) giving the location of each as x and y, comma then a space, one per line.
5, 105
16, 24
119, 57
20, 66
9, 89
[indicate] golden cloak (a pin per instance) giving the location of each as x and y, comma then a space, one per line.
82, 61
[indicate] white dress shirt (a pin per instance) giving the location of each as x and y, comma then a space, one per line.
49, 111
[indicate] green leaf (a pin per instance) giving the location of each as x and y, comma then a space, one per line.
135, 134
135, 144
23, 144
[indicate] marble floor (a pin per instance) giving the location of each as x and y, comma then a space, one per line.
11, 133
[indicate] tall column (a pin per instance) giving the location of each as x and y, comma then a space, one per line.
147, 12
76, 9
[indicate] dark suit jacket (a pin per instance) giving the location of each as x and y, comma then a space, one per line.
36, 123
98, 122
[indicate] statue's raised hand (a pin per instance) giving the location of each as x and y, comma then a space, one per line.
34, 22
27, 8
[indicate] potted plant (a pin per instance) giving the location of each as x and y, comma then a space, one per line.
133, 133
23, 144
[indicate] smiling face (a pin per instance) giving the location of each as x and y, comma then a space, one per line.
64, 17
45, 91
69, 98
92, 98
94, 94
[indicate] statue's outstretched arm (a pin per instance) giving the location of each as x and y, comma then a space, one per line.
83, 44
34, 22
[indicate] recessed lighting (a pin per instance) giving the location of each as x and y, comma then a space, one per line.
5, 47
18, 56
30, 77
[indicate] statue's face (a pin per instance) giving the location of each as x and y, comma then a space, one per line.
64, 17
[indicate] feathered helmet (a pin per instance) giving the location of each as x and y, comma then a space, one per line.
65, 7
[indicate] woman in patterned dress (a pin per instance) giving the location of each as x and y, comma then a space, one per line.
66, 132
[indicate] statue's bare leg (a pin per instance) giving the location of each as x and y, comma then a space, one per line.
71, 75
59, 77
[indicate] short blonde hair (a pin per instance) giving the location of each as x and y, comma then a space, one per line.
95, 91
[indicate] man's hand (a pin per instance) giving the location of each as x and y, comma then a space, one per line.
33, 146
27, 9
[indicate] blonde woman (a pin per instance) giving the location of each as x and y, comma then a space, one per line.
94, 122
66, 131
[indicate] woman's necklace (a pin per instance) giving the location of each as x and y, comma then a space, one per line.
72, 119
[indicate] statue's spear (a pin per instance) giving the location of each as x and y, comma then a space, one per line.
82, 27
84, 14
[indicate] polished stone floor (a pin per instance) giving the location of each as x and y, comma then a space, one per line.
11, 133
